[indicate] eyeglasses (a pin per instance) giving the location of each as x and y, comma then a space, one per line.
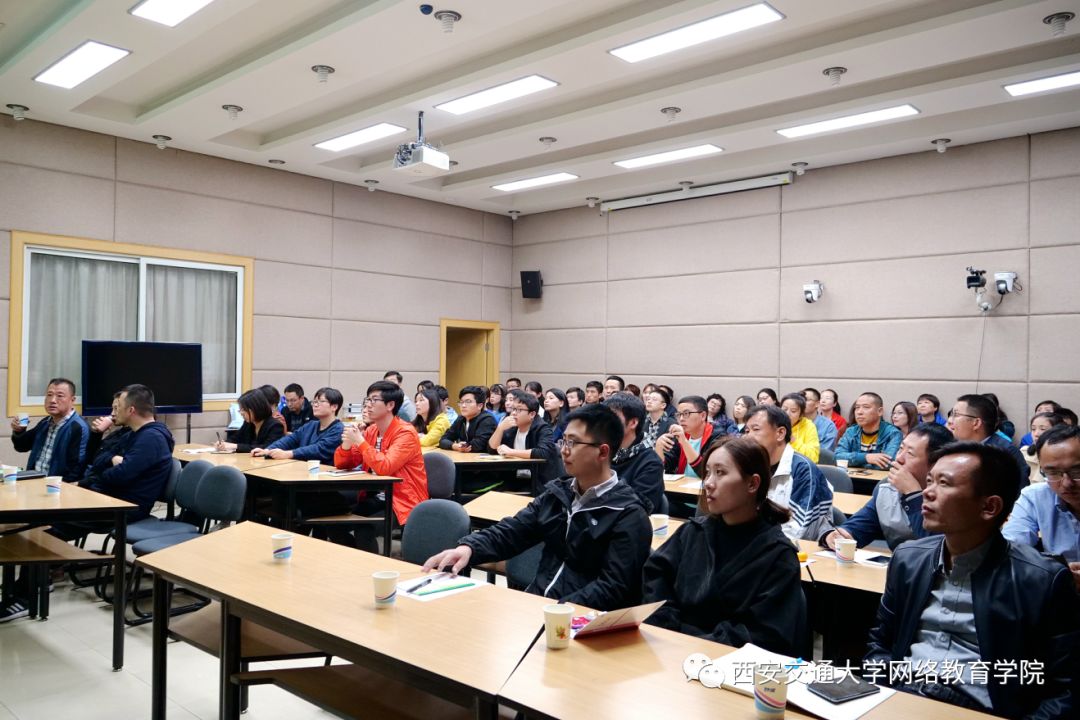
1056, 477
464, 401
373, 400
687, 413
953, 413
320, 401
568, 444
516, 410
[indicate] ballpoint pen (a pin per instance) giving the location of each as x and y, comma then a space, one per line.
419, 585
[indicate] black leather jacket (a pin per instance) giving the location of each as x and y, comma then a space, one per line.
1026, 608
592, 557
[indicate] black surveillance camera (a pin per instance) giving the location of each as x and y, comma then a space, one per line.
427, 9
975, 278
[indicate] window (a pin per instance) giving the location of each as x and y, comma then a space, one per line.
71, 290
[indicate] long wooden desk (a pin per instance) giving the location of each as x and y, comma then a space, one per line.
864, 479
849, 503
27, 502
461, 647
482, 462
241, 461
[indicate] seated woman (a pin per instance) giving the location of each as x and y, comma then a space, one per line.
738, 413
496, 402
1039, 424
732, 576
717, 415
555, 411
430, 421
929, 408
804, 437
904, 416
259, 428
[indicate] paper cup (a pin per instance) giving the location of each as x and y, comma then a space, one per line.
659, 524
841, 464
770, 693
282, 546
845, 551
385, 588
313, 468
24, 419
11, 473
53, 484
557, 626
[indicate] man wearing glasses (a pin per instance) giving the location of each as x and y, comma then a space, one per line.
315, 440
974, 419
680, 447
1047, 515
524, 434
474, 426
594, 529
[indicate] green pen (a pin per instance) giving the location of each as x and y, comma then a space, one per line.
444, 589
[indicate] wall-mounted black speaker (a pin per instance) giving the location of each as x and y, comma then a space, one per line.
532, 285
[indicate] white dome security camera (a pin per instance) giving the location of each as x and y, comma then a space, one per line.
812, 291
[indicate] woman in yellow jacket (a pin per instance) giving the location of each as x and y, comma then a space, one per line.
430, 422
804, 437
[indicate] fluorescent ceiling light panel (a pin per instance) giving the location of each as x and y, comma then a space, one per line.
700, 32
168, 12
535, 182
850, 121
368, 134
81, 64
498, 94
669, 156
1046, 84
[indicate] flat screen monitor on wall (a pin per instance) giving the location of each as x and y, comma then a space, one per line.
172, 370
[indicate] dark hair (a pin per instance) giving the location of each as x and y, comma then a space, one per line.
748, 402
555, 419
139, 397
526, 398
633, 389
332, 396
576, 391
272, 395
255, 403
697, 401
872, 395
595, 385
668, 389
770, 392
937, 436
424, 385
434, 408
775, 416
1054, 406
663, 394
616, 378
1055, 420
932, 398
393, 374
443, 393
496, 388
534, 387
389, 391
478, 392
1068, 416
602, 424
996, 475
63, 381
911, 411
992, 397
817, 395
513, 379
751, 459
631, 408
723, 402
1057, 435
983, 408
796, 398
836, 396
294, 388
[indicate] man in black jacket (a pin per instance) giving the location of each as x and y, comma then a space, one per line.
636, 464
965, 606
524, 434
474, 426
595, 529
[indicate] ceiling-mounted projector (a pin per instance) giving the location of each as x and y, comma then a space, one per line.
419, 158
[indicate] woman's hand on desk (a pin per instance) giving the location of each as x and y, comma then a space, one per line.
457, 559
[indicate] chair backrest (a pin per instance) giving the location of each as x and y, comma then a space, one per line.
433, 526
826, 457
838, 516
188, 482
521, 569
220, 495
838, 478
665, 505
440, 475
169, 491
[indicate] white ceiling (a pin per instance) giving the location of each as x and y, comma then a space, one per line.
948, 58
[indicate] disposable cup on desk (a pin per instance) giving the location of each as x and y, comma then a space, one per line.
770, 691
54, 484
842, 464
845, 551
282, 544
557, 625
313, 468
659, 524
11, 474
385, 582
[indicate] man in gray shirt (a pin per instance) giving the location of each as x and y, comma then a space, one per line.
408, 408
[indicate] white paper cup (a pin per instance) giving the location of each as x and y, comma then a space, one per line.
313, 468
53, 484
845, 551
24, 419
385, 588
557, 626
10, 473
659, 524
841, 464
770, 693
282, 546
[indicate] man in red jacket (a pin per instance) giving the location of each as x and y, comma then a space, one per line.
384, 444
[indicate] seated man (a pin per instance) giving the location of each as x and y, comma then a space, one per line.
974, 418
804, 437
513, 384
595, 529
612, 385
636, 464
318, 439
971, 600
871, 441
57, 444
575, 398
894, 513
407, 410
594, 392
826, 428
384, 444
524, 434
681, 446
297, 408
1047, 515
473, 428
797, 484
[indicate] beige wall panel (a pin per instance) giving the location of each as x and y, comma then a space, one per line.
376, 347
505, 348
283, 343
720, 246
720, 350
558, 380
5, 307
1054, 285
292, 290
567, 261
966, 166
354, 385
1055, 211
736, 297
1054, 154
699, 210
5, 264
8, 456
915, 287
557, 351
212, 422
563, 306
1055, 347
495, 306
970, 220
559, 225
54, 147
498, 229
383, 208
56, 202
385, 298
168, 218
310, 380
143, 164
945, 349
396, 251
498, 259
729, 387
1066, 394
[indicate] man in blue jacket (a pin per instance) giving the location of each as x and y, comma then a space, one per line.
870, 441
974, 418
316, 440
57, 444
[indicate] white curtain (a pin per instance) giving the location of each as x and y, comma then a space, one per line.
195, 305
72, 299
